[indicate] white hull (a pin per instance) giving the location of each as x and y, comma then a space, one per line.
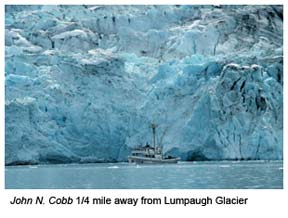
148, 160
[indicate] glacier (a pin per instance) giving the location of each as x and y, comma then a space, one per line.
84, 82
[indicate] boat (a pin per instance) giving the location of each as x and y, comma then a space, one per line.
151, 154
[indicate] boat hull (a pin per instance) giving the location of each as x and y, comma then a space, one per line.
147, 160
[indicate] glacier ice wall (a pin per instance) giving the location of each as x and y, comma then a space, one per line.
83, 83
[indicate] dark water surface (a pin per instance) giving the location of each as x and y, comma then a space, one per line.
184, 175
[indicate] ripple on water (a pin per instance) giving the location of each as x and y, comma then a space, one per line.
224, 166
113, 167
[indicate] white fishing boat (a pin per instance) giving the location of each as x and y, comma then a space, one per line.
150, 154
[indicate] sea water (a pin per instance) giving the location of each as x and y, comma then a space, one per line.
184, 175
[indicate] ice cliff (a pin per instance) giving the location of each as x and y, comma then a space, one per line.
83, 83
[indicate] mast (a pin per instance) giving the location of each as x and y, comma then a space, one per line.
153, 126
